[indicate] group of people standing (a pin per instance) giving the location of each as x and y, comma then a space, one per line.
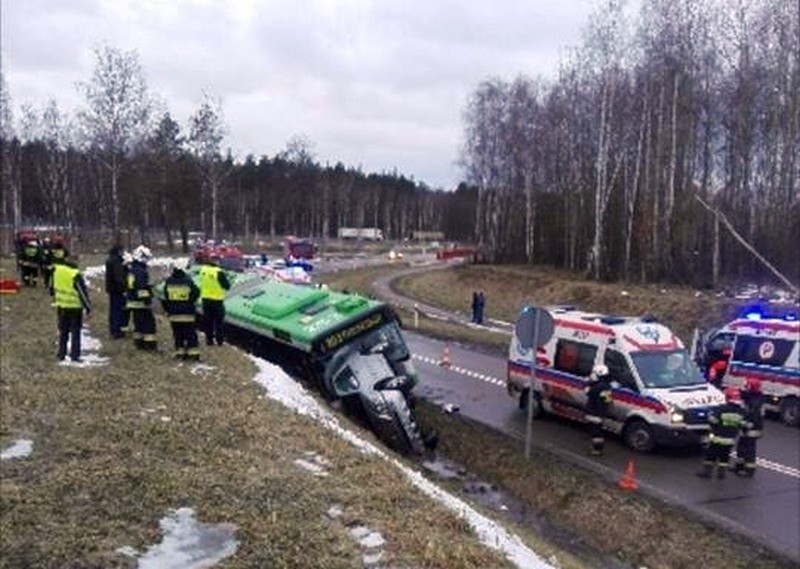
738, 423
37, 257
130, 302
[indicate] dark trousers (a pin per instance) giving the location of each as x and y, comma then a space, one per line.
597, 433
746, 453
47, 275
144, 328
70, 322
116, 314
213, 318
717, 455
185, 336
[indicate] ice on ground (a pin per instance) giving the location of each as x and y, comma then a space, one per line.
284, 389
90, 348
19, 449
198, 369
187, 543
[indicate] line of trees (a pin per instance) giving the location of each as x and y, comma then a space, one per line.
123, 162
601, 169
605, 169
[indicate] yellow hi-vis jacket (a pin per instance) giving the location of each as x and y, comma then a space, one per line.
64, 287
210, 288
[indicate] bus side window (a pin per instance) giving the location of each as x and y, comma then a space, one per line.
619, 371
575, 357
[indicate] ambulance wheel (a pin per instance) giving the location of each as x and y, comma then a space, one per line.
537, 409
790, 411
639, 436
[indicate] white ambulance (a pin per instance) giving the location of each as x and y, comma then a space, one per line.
659, 394
768, 349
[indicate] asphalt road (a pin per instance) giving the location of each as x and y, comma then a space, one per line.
766, 507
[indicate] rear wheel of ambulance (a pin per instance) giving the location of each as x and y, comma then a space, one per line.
790, 411
638, 435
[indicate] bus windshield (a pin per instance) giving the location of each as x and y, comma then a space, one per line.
666, 369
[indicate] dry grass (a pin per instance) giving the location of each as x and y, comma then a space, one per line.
116, 447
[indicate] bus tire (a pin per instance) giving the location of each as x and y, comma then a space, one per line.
638, 435
790, 411
394, 423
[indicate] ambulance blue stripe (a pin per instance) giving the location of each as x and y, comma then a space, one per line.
767, 373
568, 380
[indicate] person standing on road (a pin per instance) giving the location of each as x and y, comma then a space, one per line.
180, 304
115, 288
213, 286
754, 417
140, 300
725, 421
598, 400
71, 299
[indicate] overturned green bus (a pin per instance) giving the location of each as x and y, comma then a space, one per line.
349, 346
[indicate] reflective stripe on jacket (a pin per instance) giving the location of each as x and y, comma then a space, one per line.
210, 287
64, 287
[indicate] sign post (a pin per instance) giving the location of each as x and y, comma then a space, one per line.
534, 328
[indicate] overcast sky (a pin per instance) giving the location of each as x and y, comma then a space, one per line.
379, 84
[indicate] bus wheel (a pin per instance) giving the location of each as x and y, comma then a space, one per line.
537, 409
639, 436
790, 411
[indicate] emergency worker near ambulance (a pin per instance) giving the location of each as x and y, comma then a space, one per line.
180, 304
213, 286
598, 400
754, 414
71, 299
140, 300
726, 421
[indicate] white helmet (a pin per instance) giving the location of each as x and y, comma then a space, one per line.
179, 264
600, 370
142, 254
127, 258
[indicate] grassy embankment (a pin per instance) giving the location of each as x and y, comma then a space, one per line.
116, 447
631, 527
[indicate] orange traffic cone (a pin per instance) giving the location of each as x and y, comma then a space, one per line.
445, 361
628, 480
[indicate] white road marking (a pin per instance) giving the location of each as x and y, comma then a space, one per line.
762, 462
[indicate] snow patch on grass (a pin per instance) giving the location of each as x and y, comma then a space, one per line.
19, 449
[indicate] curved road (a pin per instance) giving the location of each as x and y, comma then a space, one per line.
765, 508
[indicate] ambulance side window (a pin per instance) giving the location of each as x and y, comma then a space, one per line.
575, 357
619, 370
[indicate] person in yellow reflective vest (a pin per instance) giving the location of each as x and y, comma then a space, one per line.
180, 304
140, 300
71, 299
213, 286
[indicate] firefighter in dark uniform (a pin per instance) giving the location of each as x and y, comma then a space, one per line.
71, 299
140, 300
726, 421
598, 400
180, 304
46, 260
754, 415
116, 283
29, 261
213, 286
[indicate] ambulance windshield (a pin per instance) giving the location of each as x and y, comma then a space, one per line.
666, 369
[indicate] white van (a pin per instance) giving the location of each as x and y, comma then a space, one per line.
659, 395
768, 349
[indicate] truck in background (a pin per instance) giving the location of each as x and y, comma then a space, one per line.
364, 233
